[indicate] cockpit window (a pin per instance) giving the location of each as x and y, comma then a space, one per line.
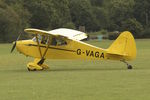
61, 41
53, 41
58, 42
44, 40
39, 38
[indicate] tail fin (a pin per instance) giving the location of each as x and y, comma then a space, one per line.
124, 45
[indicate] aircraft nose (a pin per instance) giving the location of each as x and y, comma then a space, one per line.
18, 46
21, 47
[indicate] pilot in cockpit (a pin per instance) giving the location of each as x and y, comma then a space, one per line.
44, 39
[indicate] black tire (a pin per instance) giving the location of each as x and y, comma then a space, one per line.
129, 67
31, 69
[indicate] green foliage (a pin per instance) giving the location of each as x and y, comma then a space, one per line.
104, 32
133, 26
146, 33
9, 22
118, 11
69, 25
82, 14
101, 32
48, 14
97, 2
142, 11
41, 12
101, 18
62, 13
113, 35
95, 15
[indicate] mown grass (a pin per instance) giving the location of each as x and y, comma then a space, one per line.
75, 80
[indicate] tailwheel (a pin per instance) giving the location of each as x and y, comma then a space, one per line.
128, 65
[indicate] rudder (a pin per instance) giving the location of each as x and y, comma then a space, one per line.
124, 45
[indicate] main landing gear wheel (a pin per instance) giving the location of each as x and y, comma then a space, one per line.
31, 69
34, 69
31, 66
128, 65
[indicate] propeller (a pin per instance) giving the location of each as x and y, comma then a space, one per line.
15, 43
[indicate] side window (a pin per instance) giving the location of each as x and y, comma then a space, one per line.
39, 38
34, 39
58, 42
44, 39
54, 42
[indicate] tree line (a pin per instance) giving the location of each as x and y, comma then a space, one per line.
95, 15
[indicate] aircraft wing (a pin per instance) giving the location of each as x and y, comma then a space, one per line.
62, 32
70, 33
36, 31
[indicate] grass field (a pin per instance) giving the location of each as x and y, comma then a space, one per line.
75, 80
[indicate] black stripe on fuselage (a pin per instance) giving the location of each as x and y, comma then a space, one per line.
50, 47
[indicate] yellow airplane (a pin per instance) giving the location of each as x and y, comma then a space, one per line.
66, 44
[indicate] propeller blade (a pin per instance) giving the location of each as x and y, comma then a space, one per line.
13, 47
15, 43
18, 37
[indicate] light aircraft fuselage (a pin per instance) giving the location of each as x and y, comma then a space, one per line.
48, 46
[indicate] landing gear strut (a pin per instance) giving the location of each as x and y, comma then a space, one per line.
128, 65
